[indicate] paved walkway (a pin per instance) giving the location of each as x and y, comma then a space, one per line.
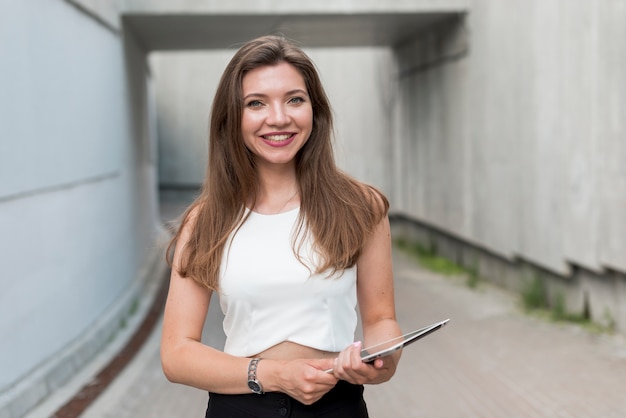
490, 361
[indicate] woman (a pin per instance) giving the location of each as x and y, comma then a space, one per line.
290, 244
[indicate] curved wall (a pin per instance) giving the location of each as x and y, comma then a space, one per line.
77, 190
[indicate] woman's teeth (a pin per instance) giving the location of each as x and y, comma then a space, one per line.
277, 137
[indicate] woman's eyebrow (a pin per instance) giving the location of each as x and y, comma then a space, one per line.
296, 91
254, 95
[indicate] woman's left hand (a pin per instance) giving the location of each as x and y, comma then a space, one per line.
348, 366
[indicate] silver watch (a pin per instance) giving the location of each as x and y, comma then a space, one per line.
253, 383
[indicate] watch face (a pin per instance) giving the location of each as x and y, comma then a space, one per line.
254, 386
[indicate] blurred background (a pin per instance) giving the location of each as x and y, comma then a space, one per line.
497, 130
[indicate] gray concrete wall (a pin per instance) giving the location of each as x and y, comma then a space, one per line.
78, 210
511, 133
358, 82
516, 144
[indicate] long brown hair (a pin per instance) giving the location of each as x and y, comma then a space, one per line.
338, 211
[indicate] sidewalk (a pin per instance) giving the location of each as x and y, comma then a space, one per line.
491, 360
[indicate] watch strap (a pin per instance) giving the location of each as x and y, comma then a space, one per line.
253, 383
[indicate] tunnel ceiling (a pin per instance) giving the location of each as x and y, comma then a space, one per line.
169, 32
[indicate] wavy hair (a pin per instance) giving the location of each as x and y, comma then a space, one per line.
338, 211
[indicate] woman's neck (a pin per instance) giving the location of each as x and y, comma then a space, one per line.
278, 192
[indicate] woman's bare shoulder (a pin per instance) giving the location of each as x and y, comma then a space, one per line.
191, 215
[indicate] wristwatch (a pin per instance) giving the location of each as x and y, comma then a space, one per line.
253, 383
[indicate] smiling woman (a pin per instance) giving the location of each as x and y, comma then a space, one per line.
290, 244
277, 116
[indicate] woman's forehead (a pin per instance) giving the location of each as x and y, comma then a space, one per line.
282, 76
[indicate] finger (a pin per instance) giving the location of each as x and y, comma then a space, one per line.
355, 354
350, 356
349, 366
325, 365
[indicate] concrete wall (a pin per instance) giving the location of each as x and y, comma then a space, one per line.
511, 133
358, 81
78, 210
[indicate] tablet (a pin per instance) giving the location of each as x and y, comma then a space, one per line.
383, 349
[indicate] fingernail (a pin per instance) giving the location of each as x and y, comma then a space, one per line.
356, 343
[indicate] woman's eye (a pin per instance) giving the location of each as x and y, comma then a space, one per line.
296, 100
254, 103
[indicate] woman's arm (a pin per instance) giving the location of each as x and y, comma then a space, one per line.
187, 361
184, 358
375, 293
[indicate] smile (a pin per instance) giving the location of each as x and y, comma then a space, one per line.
277, 137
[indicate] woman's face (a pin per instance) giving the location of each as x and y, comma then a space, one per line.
277, 113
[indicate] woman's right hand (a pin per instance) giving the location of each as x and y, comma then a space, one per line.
303, 379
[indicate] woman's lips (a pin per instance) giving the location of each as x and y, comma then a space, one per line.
279, 139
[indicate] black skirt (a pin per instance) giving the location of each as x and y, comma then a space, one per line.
343, 401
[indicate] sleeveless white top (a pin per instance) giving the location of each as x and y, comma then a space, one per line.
268, 296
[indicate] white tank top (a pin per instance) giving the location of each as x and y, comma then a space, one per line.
268, 296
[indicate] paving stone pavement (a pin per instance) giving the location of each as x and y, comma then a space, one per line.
491, 360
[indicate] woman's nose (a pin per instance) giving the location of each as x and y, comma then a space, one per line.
277, 116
